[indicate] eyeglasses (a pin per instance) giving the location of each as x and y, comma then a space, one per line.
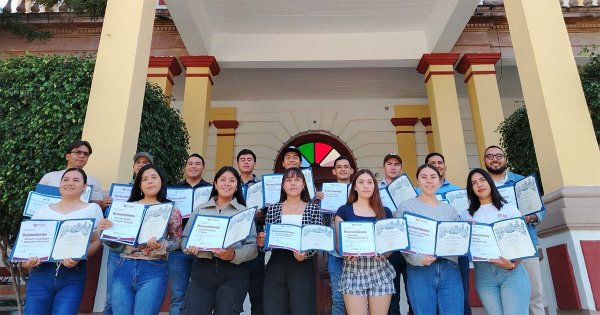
492, 156
84, 153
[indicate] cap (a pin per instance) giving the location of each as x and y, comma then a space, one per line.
392, 156
292, 149
143, 154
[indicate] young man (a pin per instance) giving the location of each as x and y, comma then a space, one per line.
291, 157
77, 154
495, 163
180, 264
114, 254
246, 161
343, 171
392, 169
438, 161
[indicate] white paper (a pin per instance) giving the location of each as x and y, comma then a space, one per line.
310, 185
201, 195
459, 200
422, 234
317, 237
386, 200
155, 222
208, 232
36, 201
452, 238
335, 196
254, 196
483, 243
401, 189
285, 236
87, 194
508, 193
35, 239
120, 192
239, 227
528, 196
183, 199
272, 188
390, 235
513, 239
126, 218
72, 239
357, 238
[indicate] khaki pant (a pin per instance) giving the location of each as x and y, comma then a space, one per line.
536, 301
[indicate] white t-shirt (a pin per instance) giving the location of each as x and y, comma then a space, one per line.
489, 214
92, 211
53, 179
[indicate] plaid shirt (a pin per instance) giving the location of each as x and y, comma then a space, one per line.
312, 214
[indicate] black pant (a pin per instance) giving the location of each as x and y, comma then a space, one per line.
289, 285
256, 268
399, 264
216, 285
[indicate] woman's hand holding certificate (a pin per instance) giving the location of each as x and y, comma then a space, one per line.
299, 239
215, 233
372, 239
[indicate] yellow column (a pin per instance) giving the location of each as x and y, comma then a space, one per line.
407, 146
196, 98
426, 121
484, 96
112, 120
161, 70
560, 122
224, 119
443, 104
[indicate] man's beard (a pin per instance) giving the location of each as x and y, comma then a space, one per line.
496, 171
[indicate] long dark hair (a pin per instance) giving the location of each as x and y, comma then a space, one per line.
474, 202
374, 200
238, 195
291, 173
136, 192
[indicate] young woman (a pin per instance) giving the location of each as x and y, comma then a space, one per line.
289, 286
219, 279
503, 286
58, 288
367, 283
433, 283
139, 281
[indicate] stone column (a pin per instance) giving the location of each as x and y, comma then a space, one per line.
161, 70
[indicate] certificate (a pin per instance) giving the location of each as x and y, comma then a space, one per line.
452, 238
155, 222
300, 238
35, 239
387, 200
201, 195
356, 239
513, 239
120, 192
271, 186
421, 233
401, 189
508, 193
254, 196
183, 199
126, 218
310, 184
528, 196
55, 191
483, 243
390, 235
72, 239
458, 199
219, 232
36, 201
335, 196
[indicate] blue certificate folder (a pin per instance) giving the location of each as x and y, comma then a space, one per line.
300, 238
133, 240
511, 237
38, 241
55, 191
444, 238
212, 232
526, 195
373, 238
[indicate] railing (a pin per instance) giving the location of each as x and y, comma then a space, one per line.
29, 6
563, 3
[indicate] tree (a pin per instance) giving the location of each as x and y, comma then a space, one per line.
43, 100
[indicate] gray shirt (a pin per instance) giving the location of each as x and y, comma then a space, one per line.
441, 212
244, 250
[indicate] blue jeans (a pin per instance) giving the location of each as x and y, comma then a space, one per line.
256, 269
180, 269
437, 286
335, 266
139, 286
463, 266
111, 264
502, 291
55, 292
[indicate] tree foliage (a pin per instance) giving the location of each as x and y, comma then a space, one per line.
590, 80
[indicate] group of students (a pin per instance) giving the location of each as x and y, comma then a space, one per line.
207, 282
